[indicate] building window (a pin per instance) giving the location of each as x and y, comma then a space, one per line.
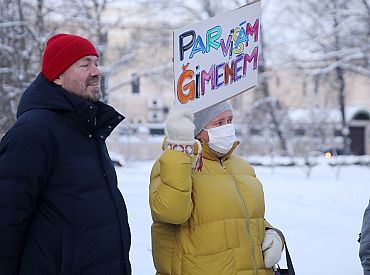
135, 83
157, 131
299, 132
255, 132
362, 115
337, 133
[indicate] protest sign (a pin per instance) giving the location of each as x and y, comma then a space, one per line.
216, 59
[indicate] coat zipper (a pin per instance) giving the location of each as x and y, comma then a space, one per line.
222, 163
246, 222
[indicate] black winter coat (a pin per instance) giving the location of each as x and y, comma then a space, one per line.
365, 242
61, 211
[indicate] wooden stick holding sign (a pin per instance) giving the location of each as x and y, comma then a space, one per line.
216, 59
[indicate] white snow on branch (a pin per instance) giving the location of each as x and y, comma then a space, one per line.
12, 24
357, 69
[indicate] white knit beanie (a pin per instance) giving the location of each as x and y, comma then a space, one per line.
205, 116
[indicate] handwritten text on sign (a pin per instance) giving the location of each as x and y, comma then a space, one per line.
216, 59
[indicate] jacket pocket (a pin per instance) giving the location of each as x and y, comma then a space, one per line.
163, 241
221, 264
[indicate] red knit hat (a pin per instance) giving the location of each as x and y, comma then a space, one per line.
61, 51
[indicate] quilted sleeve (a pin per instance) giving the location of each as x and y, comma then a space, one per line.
25, 160
170, 188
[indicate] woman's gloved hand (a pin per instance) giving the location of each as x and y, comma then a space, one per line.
180, 127
180, 130
272, 247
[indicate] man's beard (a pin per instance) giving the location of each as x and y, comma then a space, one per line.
96, 95
96, 92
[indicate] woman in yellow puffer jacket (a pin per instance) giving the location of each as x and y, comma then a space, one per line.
208, 214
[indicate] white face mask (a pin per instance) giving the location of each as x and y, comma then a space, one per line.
221, 138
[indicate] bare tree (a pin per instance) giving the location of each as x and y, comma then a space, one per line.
334, 38
19, 53
270, 107
24, 27
260, 119
97, 17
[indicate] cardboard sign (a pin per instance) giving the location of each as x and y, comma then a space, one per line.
216, 59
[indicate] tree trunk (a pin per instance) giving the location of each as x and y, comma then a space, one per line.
341, 96
342, 105
264, 87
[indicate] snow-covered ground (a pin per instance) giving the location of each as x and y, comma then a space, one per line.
321, 216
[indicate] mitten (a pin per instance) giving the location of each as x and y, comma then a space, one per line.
272, 246
180, 130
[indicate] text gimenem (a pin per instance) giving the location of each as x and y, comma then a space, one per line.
192, 83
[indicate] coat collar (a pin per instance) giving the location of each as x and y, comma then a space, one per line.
208, 153
96, 117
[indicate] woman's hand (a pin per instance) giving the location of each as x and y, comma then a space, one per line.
272, 247
180, 127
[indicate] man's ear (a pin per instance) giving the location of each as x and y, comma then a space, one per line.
58, 81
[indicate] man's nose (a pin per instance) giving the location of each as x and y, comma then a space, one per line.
96, 71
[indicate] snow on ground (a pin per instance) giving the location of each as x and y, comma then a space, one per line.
321, 216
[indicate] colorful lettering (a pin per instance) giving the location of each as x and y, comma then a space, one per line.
182, 95
237, 68
210, 76
253, 30
183, 48
212, 36
198, 47
229, 73
225, 48
239, 44
218, 75
249, 58
194, 80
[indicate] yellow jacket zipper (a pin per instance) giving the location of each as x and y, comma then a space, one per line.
246, 215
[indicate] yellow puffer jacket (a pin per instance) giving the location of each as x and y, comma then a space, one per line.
208, 222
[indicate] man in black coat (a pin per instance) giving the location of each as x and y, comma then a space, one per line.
61, 211
365, 242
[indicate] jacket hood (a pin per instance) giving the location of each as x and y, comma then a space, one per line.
42, 94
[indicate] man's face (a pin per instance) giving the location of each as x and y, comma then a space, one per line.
82, 78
